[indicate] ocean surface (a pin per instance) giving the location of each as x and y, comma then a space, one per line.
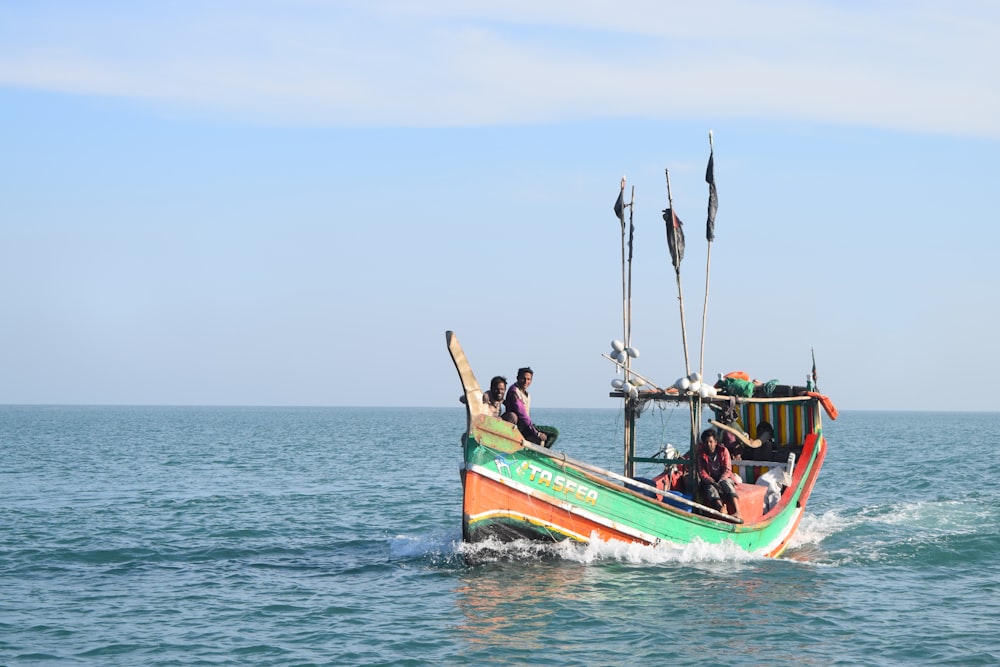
331, 536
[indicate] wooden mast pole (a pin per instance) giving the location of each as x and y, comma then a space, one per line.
629, 401
695, 400
710, 235
628, 433
628, 328
625, 315
672, 230
626, 290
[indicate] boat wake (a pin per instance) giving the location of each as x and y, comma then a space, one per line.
881, 533
814, 529
448, 549
893, 532
872, 534
437, 547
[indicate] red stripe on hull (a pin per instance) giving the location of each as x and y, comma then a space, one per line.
487, 499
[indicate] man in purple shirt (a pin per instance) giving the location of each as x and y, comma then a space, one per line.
518, 402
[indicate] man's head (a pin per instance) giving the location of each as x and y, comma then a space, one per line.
765, 432
708, 440
498, 385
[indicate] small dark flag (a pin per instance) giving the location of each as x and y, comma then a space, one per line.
675, 237
620, 206
815, 384
631, 233
713, 198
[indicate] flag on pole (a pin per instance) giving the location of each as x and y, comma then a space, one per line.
713, 197
620, 205
631, 233
675, 237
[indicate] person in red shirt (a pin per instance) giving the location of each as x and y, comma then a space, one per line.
715, 474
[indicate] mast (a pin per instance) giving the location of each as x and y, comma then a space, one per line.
713, 205
675, 243
630, 399
628, 319
628, 443
620, 211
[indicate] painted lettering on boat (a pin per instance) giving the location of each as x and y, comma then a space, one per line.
558, 483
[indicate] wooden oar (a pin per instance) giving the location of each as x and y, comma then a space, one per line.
497, 434
744, 438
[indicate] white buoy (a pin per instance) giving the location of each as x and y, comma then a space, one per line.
634, 393
627, 387
620, 357
695, 377
632, 352
682, 384
617, 383
617, 345
695, 387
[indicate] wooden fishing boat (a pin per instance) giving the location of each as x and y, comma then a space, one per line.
514, 489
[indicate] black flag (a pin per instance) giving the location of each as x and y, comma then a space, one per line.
631, 234
675, 237
620, 205
713, 198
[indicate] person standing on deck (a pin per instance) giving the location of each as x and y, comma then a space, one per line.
518, 402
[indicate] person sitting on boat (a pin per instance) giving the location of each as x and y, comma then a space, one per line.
733, 445
727, 415
765, 433
493, 399
715, 475
765, 436
518, 403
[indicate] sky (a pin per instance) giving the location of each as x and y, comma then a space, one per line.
257, 202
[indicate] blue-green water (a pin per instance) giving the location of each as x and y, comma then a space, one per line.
330, 536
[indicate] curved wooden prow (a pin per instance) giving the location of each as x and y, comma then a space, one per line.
470, 386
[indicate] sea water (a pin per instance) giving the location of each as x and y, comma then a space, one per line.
331, 536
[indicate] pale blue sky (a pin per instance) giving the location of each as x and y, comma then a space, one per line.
288, 203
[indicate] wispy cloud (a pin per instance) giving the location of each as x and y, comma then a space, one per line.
921, 67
